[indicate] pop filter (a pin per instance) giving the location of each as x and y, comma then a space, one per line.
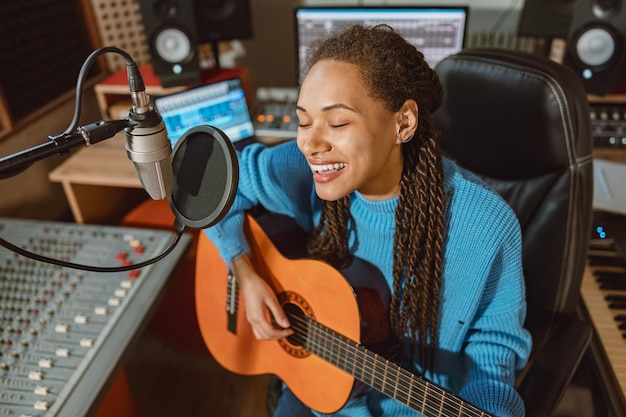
206, 175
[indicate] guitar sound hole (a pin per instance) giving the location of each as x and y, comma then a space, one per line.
299, 324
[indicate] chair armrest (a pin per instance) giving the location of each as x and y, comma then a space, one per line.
553, 366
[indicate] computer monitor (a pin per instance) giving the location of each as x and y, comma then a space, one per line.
221, 104
437, 31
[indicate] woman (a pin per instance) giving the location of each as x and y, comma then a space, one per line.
366, 179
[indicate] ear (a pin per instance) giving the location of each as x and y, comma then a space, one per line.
406, 123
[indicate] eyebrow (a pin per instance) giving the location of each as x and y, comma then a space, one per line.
331, 107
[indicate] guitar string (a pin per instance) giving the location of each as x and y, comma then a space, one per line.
429, 390
410, 401
436, 394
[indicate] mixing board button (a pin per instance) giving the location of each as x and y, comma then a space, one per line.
35, 375
61, 328
62, 352
101, 311
86, 342
45, 363
80, 319
41, 405
41, 390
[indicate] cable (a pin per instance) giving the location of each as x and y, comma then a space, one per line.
136, 84
66, 264
82, 76
506, 13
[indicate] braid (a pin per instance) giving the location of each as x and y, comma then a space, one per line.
395, 71
329, 239
418, 248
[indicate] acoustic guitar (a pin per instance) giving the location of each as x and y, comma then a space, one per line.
340, 323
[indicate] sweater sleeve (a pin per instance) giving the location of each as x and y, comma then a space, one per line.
497, 345
276, 178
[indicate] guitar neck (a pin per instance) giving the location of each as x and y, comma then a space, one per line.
381, 374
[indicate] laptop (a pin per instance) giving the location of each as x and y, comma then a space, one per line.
221, 104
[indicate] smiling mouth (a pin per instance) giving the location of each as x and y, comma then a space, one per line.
328, 168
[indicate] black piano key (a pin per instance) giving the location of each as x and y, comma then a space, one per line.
604, 261
602, 253
617, 305
602, 244
612, 285
606, 252
611, 279
615, 297
601, 275
620, 317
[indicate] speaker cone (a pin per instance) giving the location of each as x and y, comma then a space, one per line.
173, 45
596, 47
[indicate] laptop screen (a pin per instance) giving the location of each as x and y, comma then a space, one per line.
221, 104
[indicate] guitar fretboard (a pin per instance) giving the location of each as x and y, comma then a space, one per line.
380, 373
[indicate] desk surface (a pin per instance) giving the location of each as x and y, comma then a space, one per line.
104, 163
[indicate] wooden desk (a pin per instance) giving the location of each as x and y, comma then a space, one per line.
100, 182
610, 154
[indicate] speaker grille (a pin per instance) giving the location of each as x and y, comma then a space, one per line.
120, 24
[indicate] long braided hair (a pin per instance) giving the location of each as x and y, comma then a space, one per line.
393, 71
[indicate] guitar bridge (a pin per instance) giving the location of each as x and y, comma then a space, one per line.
232, 297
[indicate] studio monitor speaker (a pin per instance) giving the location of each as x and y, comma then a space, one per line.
545, 18
173, 42
223, 19
596, 44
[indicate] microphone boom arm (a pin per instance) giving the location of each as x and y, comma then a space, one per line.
141, 115
60, 144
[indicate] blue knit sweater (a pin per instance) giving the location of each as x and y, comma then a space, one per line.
481, 341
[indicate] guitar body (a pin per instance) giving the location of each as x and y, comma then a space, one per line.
355, 306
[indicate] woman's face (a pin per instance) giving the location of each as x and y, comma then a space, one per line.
350, 140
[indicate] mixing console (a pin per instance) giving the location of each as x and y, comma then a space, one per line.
277, 120
609, 124
276, 113
65, 331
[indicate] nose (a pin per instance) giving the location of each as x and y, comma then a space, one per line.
312, 142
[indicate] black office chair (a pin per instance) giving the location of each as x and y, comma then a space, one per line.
522, 123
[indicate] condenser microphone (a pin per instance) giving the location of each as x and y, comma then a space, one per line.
147, 144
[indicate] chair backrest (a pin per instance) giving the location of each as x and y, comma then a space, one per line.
522, 123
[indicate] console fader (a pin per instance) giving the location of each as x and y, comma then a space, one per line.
64, 331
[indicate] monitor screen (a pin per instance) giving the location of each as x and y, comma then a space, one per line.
220, 104
437, 31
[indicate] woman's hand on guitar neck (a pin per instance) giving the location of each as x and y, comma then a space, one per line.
260, 302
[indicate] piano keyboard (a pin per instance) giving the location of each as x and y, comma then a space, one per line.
603, 291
